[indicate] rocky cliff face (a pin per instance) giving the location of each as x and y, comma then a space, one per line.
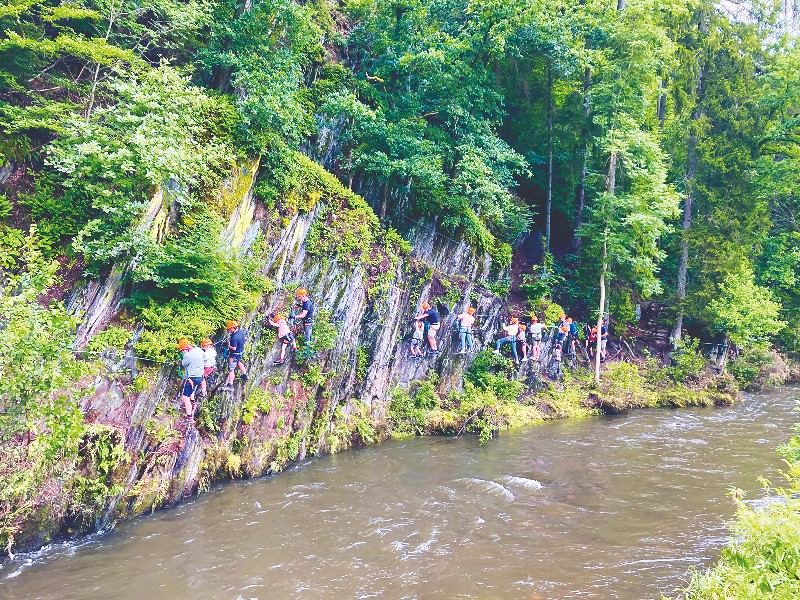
283, 413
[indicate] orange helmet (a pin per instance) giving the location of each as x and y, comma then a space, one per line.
426, 305
470, 311
563, 328
206, 343
569, 320
301, 292
561, 316
231, 325
278, 317
184, 343
534, 318
514, 320
522, 327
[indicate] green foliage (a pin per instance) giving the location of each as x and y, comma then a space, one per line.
687, 362
113, 336
165, 324
261, 52
315, 376
538, 287
362, 360
41, 425
257, 400
490, 371
745, 310
323, 337
501, 287
101, 171
749, 365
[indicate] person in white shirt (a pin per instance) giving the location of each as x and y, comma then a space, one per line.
209, 363
511, 329
465, 322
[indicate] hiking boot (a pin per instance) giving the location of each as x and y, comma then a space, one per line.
226, 388
280, 361
244, 377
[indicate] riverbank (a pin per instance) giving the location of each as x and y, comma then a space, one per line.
272, 427
494, 398
762, 556
607, 507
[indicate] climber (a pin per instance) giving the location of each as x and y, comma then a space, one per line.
416, 339
431, 316
536, 337
209, 364
284, 335
603, 340
465, 322
587, 331
236, 344
511, 329
522, 342
573, 335
592, 340
306, 314
562, 333
192, 361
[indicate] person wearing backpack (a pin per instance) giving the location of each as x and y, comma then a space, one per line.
536, 330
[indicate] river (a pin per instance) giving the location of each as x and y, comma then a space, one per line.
607, 507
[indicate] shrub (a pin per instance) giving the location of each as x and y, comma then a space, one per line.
687, 362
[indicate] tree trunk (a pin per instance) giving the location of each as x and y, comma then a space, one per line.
580, 199
688, 206
611, 184
549, 202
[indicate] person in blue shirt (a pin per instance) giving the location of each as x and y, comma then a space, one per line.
431, 316
306, 313
236, 344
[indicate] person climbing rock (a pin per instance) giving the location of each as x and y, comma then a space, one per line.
209, 364
522, 342
573, 335
284, 335
536, 337
416, 339
306, 314
431, 316
192, 361
465, 322
603, 340
562, 333
587, 331
236, 342
511, 328
592, 340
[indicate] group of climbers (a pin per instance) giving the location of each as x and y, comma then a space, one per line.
525, 339
200, 362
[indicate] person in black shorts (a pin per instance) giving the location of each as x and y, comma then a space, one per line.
236, 344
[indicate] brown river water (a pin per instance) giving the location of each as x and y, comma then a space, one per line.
607, 507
